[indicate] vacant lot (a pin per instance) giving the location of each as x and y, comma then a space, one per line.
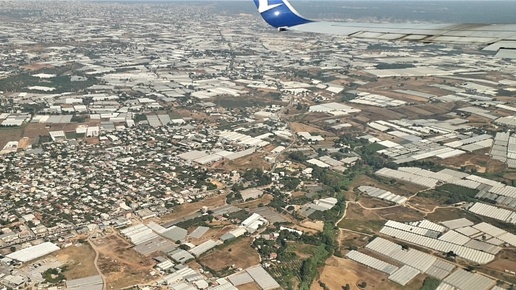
317, 225
249, 286
445, 214
300, 127
423, 203
190, 208
348, 240
356, 212
79, 261
238, 253
33, 130
474, 160
255, 160
121, 265
374, 202
400, 213
10, 134
338, 272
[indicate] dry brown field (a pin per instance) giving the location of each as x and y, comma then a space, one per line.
238, 253
190, 208
78, 260
120, 264
339, 271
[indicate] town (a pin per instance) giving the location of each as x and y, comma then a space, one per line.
141, 148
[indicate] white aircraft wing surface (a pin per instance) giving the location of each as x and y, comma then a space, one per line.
498, 38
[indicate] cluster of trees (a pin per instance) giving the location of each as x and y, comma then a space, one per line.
451, 194
297, 156
384, 65
290, 183
332, 179
54, 275
323, 251
430, 284
257, 176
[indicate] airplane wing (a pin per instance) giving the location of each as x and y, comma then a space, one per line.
498, 38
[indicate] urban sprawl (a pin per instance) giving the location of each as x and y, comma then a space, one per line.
184, 146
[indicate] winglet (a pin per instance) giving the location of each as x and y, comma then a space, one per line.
280, 13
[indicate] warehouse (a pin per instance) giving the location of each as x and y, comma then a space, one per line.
198, 232
155, 245
466, 280
88, 283
382, 194
139, 234
251, 193
262, 278
438, 245
181, 256
253, 222
409, 177
175, 234
34, 252
204, 247
493, 212
371, 262
335, 109
404, 275
416, 259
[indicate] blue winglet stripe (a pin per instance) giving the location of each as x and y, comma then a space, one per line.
278, 14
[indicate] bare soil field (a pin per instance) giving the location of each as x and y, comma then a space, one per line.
255, 160
445, 214
424, 203
300, 127
317, 225
238, 253
478, 160
249, 286
92, 141
355, 212
339, 271
33, 130
120, 264
10, 134
349, 239
360, 220
373, 202
510, 175
79, 261
400, 213
502, 265
495, 166
419, 111
265, 199
24, 142
36, 66
190, 208
69, 127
